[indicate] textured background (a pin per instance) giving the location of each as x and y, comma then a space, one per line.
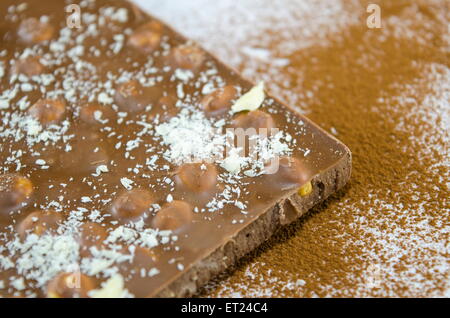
385, 93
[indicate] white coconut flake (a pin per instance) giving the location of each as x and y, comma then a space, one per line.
127, 183
250, 101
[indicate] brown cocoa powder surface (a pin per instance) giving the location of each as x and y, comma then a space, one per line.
385, 93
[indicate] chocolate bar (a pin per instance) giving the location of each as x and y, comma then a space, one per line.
134, 163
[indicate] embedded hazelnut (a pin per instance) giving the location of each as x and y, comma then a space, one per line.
94, 113
39, 223
14, 191
305, 190
34, 31
147, 37
219, 101
30, 66
290, 171
256, 119
197, 177
129, 96
48, 111
173, 216
132, 205
187, 57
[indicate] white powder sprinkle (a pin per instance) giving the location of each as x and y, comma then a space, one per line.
127, 183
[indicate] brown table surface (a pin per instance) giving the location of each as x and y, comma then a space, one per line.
385, 93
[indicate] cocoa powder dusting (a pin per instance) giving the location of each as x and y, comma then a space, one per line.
385, 93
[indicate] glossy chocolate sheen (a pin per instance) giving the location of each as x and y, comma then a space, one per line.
99, 134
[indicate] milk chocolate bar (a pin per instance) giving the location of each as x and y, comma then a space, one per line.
134, 163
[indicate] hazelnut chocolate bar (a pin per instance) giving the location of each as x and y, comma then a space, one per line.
134, 163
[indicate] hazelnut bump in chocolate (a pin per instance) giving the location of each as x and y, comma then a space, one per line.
129, 96
14, 191
187, 57
131, 205
219, 101
255, 119
30, 66
197, 177
173, 216
147, 37
48, 111
34, 31
95, 113
39, 223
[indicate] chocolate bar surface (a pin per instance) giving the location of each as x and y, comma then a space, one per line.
120, 175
